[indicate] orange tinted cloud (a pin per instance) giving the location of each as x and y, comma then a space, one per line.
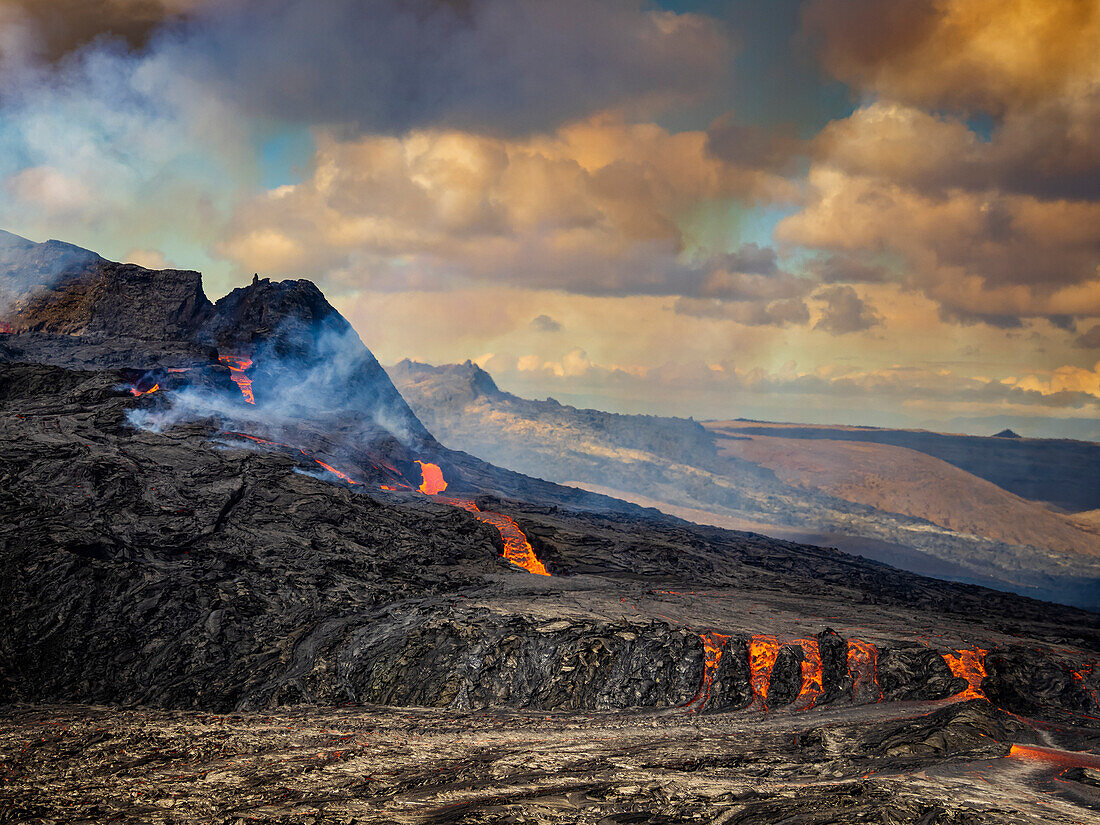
992, 55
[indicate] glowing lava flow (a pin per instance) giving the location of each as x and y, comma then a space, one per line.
863, 667
134, 391
712, 655
237, 367
1067, 759
763, 651
318, 461
517, 549
970, 665
812, 674
432, 479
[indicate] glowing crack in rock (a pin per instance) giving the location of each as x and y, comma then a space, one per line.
134, 391
237, 367
713, 643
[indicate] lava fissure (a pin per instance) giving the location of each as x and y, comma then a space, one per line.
863, 668
713, 644
763, 651
237, 368
969, 665
812, 674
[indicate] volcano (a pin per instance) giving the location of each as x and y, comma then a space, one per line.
238, 574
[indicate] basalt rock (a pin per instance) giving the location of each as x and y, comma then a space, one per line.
916, 673
1023, 682
835, 680
786, 677
732, 685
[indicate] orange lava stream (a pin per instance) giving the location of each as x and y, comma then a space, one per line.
763, 651
712, 650
237, 366
970, 665
863, 666
1068, 759
812, 674
517, 549
138, 393
336, 472
432, 481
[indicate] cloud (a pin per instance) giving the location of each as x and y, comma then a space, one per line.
751, 313
984, 55
510, 66
593, 208
1090, 339
544, 323
844, 311
1048, 150
980, 255
52, 29
847, 268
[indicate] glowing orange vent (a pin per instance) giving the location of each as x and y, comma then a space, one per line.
237, 367
763, 651
138, 393
812, 674
431, 478
863, 667
970, 665
712, 655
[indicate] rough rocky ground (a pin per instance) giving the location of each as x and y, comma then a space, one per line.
890, 763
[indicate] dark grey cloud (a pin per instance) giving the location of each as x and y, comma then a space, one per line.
844, 311
844, 268
756, 147
544, 323
1089, 339
511, 66
60, 27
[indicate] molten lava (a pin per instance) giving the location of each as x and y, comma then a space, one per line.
5, 328
237, 367
517, 549
763, 651
134, 391
432, 481
863, 667
1067, 759
970, 665
712, 655
336, 472
812, 674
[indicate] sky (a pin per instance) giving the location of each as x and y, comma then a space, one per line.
880, 212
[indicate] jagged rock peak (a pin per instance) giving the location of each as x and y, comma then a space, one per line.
468, 378
1007, 434
290, 315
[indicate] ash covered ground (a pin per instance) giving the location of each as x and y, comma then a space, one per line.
234, 588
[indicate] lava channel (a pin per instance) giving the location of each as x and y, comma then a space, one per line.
134, 391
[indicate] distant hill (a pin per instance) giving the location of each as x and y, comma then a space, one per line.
1061, 472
